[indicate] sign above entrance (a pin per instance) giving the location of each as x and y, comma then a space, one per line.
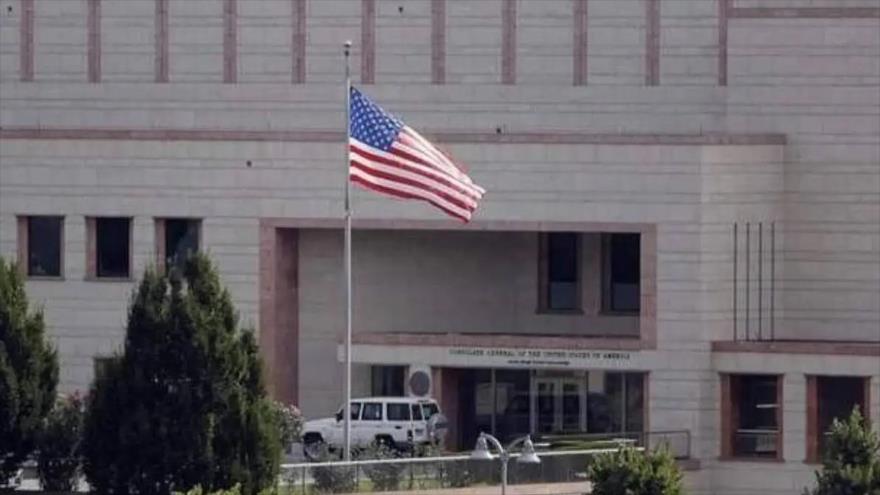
496, 357
540, 358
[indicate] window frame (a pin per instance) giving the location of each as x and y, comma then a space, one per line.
544, 275
24, 247
730, 405
813, 440
606, 289
92, 251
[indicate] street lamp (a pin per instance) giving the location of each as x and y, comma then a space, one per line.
481, 453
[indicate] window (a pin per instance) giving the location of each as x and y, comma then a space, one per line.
355, 409
398, 412
416, 412
830, 398
372, 411
181, 240
752, 416
621, 255
560, 281
387, 381
112, 241
102, 364
43, 243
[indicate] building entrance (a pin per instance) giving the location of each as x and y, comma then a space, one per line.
559, 405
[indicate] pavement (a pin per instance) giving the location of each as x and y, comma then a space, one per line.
578, 488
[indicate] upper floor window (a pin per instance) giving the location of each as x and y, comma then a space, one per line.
560, 280
42, 245
752, 416
182, 236
621, 259
830, 398
112, 247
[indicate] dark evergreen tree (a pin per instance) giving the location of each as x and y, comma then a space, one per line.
28, 373
185, 403
851, 464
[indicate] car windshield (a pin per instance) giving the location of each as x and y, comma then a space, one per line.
429, 409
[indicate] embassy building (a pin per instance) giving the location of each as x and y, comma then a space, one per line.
681, 230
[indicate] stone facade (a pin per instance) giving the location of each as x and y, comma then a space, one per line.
682, 117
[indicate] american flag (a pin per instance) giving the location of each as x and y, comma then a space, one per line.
388, 156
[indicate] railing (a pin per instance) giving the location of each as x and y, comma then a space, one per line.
678, 442
432, 473
762, 443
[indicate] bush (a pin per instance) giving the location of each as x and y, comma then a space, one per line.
634, 472
290, 423
58, 459
384, 476
332, 479
185, 403
28, 373
852, 460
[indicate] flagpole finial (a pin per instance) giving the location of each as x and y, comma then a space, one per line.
347, 46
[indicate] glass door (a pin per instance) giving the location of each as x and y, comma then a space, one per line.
545, 406
559, 405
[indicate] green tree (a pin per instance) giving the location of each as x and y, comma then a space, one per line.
58, 456
184, 405
851, 464
634, 472
28, 372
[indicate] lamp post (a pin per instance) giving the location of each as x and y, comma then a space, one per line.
481, 453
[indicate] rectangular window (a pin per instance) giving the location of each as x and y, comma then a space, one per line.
44, 240
830, 398
112, 247
372, 411
621, 259
398, 412
416, 412
752, 416
355, 409
181, 240
560, 281
388, 381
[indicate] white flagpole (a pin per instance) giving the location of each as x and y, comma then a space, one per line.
346, 413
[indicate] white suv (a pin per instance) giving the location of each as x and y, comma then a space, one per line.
399, 422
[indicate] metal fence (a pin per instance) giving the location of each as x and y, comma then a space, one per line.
432, 473
677, 442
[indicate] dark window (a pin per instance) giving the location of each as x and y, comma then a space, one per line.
102, 364
755, 415
44, 246
398, 412
416, 412
372, 411
113, 247
388, 381
561, 267
181, 241
622, 272
837, 396
355, 408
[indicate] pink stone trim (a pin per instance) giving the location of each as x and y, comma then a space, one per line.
298, 41
581, 51
723, 22
800, 347
804, 13
230, 41
508, 41
438, 41
26, 41
161, 40
22, 244
476, 137
93, 28
368, 41
499, 340
159, 243
91, 248
648, 284
652, 42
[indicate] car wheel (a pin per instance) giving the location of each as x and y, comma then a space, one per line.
314, 448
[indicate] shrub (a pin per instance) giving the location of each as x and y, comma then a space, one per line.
58, 458
384, 476
28, 373
634, 472
332, 479
852, 460
185, 403
290, 423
